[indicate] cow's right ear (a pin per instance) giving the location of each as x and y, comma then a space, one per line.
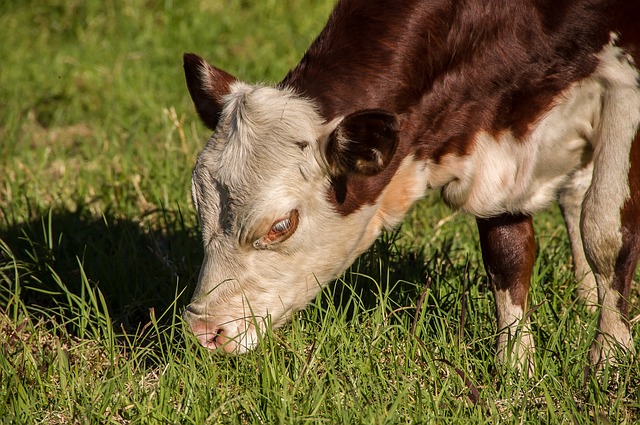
207, 85
362, 143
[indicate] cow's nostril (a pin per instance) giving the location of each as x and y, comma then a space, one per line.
213, 337
209, 336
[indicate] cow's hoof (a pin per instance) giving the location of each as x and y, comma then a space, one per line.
608, 349
516, 352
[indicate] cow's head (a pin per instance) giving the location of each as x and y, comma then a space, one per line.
272, 235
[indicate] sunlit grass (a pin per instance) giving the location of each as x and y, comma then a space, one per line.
99, 251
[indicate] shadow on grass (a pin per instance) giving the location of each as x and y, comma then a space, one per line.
135, 267
138, 268
402, 273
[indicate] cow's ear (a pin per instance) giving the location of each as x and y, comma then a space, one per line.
363, 143
207, 85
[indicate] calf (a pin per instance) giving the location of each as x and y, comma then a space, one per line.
503, 106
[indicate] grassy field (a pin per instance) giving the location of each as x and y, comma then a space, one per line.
99, 252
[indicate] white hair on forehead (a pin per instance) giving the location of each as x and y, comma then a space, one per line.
252, 110
261, 131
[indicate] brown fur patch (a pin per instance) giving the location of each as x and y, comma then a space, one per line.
207, 85
629, 255
509, 252
448, 69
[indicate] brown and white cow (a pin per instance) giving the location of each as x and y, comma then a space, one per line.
504, 106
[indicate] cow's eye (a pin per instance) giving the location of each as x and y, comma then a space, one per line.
280, 230
284, 227
281, 227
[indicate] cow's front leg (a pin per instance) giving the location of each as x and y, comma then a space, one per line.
508, 252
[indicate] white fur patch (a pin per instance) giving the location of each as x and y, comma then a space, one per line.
515, 342
507, 175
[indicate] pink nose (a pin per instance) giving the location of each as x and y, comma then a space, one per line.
212, 337
229, 335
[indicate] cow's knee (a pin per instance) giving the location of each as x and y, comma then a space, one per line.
603, 246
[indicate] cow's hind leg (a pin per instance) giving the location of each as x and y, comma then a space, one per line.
508, 252
611, 210
611, 234
570, 199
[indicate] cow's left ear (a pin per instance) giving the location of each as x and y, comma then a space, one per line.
363, 143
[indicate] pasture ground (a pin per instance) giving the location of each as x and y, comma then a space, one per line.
99, 251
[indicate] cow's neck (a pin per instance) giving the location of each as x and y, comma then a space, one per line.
360, 61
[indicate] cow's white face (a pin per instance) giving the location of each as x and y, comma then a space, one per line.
271, 233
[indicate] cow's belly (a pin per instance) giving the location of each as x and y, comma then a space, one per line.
504, 177
503, 174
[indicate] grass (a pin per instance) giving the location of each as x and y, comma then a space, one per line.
99, 251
